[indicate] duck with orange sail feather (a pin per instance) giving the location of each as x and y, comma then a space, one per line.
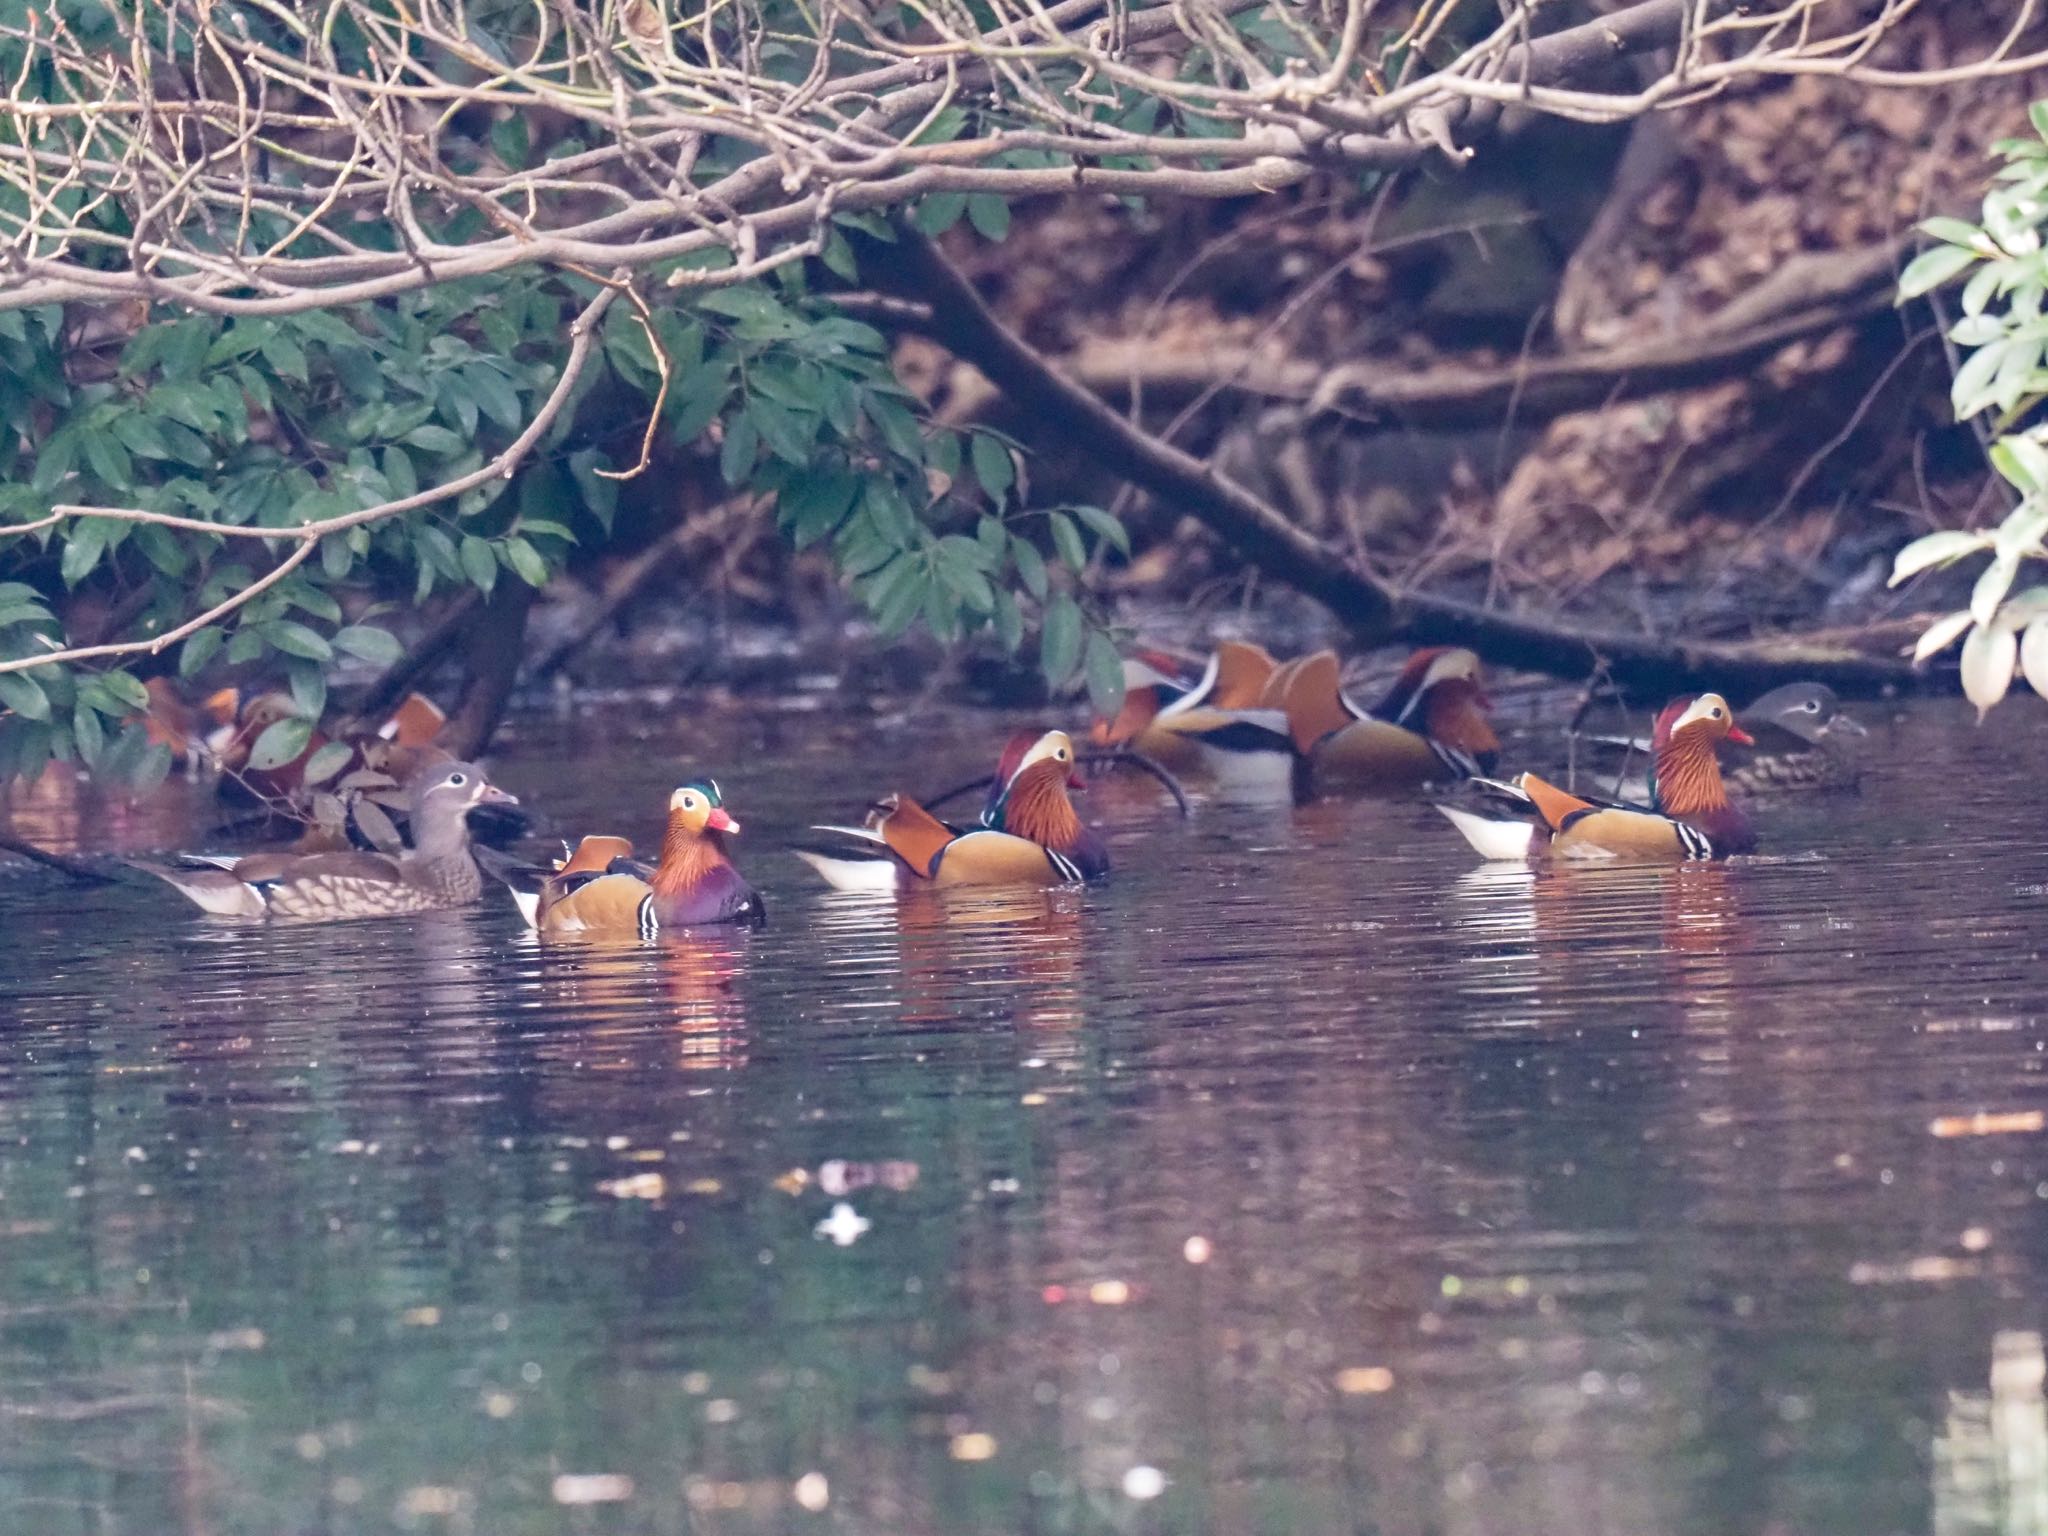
1431, 727
1211, 726
1029, 834
601, 888
1691, 816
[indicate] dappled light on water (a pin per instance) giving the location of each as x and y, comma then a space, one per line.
1305, 1176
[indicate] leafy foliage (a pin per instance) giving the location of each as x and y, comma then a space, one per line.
274, 422
2004, 337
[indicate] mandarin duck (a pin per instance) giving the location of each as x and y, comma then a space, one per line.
1430, 727
194, 734
1029, 833
1691, 816
437, 871
1209, 725
1803, 739
601, 888
360, 802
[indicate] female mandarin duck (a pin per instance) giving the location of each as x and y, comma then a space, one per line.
437, 871
1210, 725
601, 888
1803, 741
1693, 817
1029, 832
1431, 726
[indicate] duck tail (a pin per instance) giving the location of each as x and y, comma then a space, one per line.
1502, 840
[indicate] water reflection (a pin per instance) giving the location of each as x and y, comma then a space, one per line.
1302, 1178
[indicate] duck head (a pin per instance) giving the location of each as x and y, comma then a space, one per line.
697, 808
1033, 767
1706, 720
442, 795
1441, 693
1806, 712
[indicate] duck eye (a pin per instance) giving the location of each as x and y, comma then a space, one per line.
689, 802
1715, 713
1811, 706
456, 780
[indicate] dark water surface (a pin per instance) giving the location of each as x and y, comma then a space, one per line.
1301, 1179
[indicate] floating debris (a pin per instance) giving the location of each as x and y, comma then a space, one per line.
635, 1186
845, 1226
1143, 1483
1361, 1380
1196, 1250
1927, 1267
840, 1177
972, 1446
592, 1488
812, 1492
421, 1317
1992, 1124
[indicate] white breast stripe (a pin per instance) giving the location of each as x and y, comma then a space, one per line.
1694, 842
1459, 761
1068, 869
648, 926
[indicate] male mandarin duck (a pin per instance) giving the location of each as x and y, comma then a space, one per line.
1803, 739
601, 888
1211, 724
193, 733
1431, 725
1692, 819
1029, 832
437, 871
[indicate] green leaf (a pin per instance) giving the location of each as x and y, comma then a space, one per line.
1105, 527
1030, 568
814, 505
993, 466
989, 215
199, 649
1066, 539
294, 639
435, 439
940, 212
1009, 622
1060, 640
368, 643
1105, 671
87, 541
479, 563
126, 691
89, 734
324, 764
1931, 268
524, 559
280, 743
741, 447
1954, 231
24, 696
1937, 548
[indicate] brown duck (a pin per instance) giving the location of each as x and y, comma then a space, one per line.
439, 870
1431, 727
1029, 834
601, 888
1691, 816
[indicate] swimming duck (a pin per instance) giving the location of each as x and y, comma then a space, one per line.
1804, 740
601, 888
1209, 725
1029, 832
437, 871
1691, 818
1430, 727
